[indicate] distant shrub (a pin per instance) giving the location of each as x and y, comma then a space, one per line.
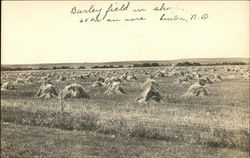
189, 64
136, 65
66, 67
155, 64
103, 66
81, 67
210, 64
15, 69
146, 65
227, 63
43, 68
62, 67
95, 67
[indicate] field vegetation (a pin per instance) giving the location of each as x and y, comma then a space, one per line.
216, 125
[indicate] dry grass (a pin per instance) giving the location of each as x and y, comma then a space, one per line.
30, 141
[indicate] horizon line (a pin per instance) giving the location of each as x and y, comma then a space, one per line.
84, 62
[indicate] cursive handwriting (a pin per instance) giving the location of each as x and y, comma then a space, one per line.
162, 8
125, 12
111, 8
91, 9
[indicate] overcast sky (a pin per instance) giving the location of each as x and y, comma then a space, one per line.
46, 32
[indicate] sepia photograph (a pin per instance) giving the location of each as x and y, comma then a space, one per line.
125, 79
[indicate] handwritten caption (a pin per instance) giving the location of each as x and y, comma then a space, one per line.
111, 13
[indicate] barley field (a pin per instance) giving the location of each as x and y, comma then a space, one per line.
172, 120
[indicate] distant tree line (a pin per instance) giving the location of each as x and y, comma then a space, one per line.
189, 64
67, 67
15, 69
228, 63
121, 66
40, 68
62, 67
150, 65
106, 66
130, 66
211, 64
81, 67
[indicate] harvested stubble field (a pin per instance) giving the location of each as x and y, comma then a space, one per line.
216, 125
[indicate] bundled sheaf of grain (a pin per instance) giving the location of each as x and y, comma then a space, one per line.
189, 76
131, 77
73, 77
150, 83
246, 76
166, 69
45, 80
19, 81
227, 69
80, 77
93, 75
108, 74
159, 74
107, 81
123, 77
213, 70
86, 75
205, 80
196, 90
97, 84
115, 79
216, 77
173, 73
181, 80
49, 75
29, 79
46, 91
115, 88
197, 76
3, 78
150, 93
100, 79
74, 91
7, 86
61, 78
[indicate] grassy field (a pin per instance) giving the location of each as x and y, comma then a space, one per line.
216, 125
29, 141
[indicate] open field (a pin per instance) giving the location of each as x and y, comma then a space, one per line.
215, 125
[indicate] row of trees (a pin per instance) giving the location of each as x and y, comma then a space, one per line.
40, 68
130, 66
228, 63
189, 64
106, 66
146, 65
15, 69
67, 67
121, 66
62, 67
211, 64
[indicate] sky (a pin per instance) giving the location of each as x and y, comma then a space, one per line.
46, 32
